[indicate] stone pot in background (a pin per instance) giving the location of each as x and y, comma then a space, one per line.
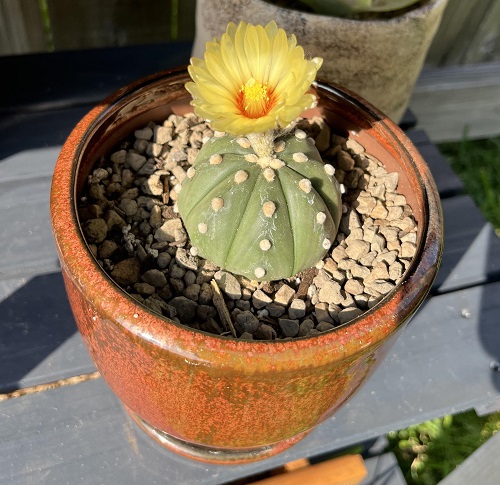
209, 397
379, 60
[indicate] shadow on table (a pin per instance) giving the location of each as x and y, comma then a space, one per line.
34, 321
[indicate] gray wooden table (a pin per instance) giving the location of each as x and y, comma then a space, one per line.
78, 432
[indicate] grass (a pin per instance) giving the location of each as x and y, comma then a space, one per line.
429, 451
477, 162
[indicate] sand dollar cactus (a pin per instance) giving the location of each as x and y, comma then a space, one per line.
258, 201
265, 218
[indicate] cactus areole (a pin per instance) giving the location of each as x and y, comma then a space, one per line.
266, 217
258, 200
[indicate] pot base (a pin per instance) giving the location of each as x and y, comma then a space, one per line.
221, 456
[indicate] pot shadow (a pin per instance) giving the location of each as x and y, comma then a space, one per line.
38, 335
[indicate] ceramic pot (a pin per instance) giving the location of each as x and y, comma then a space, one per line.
370, 57
210, 397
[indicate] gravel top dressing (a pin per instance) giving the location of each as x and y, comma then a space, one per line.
130, 221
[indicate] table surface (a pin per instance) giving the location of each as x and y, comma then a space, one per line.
79, 432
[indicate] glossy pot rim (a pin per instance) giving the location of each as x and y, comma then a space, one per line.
368, 329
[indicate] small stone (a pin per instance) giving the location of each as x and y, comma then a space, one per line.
185, 308
135, 161
144, 134
192, 292
144, 288
260, 299
365, 204
345, 161
206, 294
119, 157
408, 250
127, 272
379, 211
305, 327
275, 310
128, 206
163, 134
297, 309
265, 332
324, 326
171, 231
289, 327
354, 287
322, 313
155, 278
348, 314
330, 293
107, 249
284, 295
153, 185
357, 249
186, 260
395, 271
228, 284
190, 278
95, 230
247, 322
163, 260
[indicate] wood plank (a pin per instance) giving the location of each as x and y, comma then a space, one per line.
93, 23
451, 101
81, 434
21, 27
88, 77
447, 181
344, 470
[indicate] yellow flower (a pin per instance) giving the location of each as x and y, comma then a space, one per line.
252, 80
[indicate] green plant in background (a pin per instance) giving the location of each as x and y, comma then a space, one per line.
477, 162
350, 8
429, 451
258, 201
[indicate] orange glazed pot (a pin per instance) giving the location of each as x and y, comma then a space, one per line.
209, 397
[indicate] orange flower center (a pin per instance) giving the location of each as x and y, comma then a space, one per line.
255, 99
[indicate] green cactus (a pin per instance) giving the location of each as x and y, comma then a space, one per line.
263, 217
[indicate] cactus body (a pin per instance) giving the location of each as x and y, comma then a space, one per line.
264, 218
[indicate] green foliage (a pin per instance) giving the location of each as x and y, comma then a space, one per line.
477, 163
265, 218
429, 451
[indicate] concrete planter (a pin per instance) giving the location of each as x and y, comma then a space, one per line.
378, 59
